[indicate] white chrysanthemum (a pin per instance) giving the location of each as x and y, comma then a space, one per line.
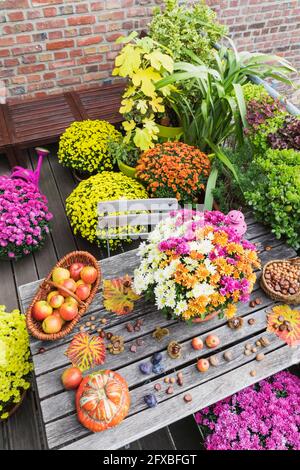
201, 246
209, 266
202, 288
181, 307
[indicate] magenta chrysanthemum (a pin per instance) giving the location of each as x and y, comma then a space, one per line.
24, 218
265, 416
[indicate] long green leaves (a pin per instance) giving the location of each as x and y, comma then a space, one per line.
210, 186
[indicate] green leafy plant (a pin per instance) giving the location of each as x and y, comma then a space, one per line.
84, 146
273, 191
182, 28
219, 111
15, 365
143, 62
127, 153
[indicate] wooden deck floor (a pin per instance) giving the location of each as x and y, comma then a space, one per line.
23, 431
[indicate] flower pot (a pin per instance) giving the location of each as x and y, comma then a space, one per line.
169, 133
126, 169
80, 176
13, 408
209, 317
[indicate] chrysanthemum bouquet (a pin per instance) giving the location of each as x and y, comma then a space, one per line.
265, 416
82, 204
24, 218
84, 146
15, 365
195, 266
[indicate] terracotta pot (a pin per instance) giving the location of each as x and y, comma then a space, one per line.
209, 317
13, 407
126, 169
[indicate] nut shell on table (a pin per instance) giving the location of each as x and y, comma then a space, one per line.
235, 323
159, 333
174, 349
116, 346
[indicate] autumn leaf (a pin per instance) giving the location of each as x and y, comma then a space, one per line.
158, 59
128, 61
86, 351
118, 295
280, 314
145, 79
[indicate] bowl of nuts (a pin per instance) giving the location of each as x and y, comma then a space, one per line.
281, 280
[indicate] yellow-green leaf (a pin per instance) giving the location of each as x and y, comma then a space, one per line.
127, 105
145, 79
128, 61
143, 138
158, 60
157, 105
142, 106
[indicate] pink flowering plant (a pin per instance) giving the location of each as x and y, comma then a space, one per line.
265, 416
24, 218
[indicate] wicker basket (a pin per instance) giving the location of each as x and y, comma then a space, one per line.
288, 299
34, 326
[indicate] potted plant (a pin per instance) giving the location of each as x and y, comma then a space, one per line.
196, 265
15, 365
84, 147
144, 63
125, 156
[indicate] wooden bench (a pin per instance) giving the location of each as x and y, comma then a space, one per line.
42, 121
60, 426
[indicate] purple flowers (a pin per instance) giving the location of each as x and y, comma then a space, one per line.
24, 218
265, 416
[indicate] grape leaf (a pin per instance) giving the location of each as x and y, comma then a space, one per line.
118, 296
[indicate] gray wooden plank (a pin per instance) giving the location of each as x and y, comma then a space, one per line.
203, 395
63, 403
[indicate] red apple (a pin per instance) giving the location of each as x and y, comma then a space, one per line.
88, 274
68, 311
202, 365
197, 343
41, 310
83, 291
52, 324
60, 274
71, 378
212, 341
69, 284
57, 314
56, 301
51, 294
75, 269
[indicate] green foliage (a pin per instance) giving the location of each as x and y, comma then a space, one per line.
274, 192
126, 153
15, 364
84, 146
182, 28
255, 92
259, 138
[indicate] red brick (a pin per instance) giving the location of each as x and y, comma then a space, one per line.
33, 78
18, 28
89, 41
23, 39
100, 28
112, 37
8, 41
29, 59
49, 75
46, 2
64, 73
18, 80
60, 55
11, 62
48, 12
61, 64
51, 24
95, 6
68, 81
4, 52
14, 4
82, 8
55, 35
90, 59
31, 68
94, 76
78, 20
60, 44
85, 30
113, 4
16, 16
33, 14
112, 15
76, 53
70, 32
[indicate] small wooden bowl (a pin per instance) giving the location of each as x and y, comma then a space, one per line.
34, 326
292, 299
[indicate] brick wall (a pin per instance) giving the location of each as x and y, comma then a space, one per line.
50, 45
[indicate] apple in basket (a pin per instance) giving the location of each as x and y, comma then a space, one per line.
51, 294
83, 291
69, 284
57, 314
56, 301
52, 324
60, 274
88, 274
75, 270
68, 311
41, 310
71, 300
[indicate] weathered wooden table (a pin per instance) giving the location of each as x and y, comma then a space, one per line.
62, 430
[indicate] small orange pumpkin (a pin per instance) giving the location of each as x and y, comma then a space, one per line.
102, 400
